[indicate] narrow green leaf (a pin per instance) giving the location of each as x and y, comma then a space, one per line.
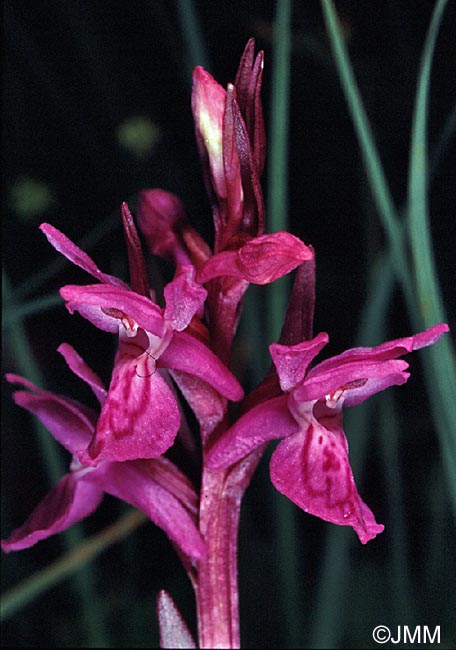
439, 361
28, 590
30, 308
277, 200
192, 35
371, 159
25, 364
430, 300
277, 210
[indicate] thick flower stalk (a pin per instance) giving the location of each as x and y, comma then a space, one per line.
180, 351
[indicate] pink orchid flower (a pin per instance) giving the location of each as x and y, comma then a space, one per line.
310, 466
154, 486
140, 416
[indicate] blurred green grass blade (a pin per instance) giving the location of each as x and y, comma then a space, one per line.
439, 360
29, 308
372, 163
277, 200
288, 550
277, 209
28, 590
373, 320
25, 364
254, 351
192, 35
55, 468
430, 300
279, 121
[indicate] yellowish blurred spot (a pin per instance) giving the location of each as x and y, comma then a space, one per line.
30, 198
138, 135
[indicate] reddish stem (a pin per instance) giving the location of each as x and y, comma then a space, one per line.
217, 585
217, 589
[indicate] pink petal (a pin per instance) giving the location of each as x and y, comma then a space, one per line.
385, 351
266, 421
292, 362
134, 482
184, 298
356, 394
97, 296
93, 313
375, 367
312, 469
71, 500
190, 355
410, 343
72, 252
319, 383
208, 106
140, 417
260, 261
174, 633
82, 370
70, 423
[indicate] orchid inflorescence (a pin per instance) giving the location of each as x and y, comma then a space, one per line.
181, 352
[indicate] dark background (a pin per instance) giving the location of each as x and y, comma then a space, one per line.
75, 72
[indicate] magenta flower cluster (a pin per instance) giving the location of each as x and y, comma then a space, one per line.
179, 349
